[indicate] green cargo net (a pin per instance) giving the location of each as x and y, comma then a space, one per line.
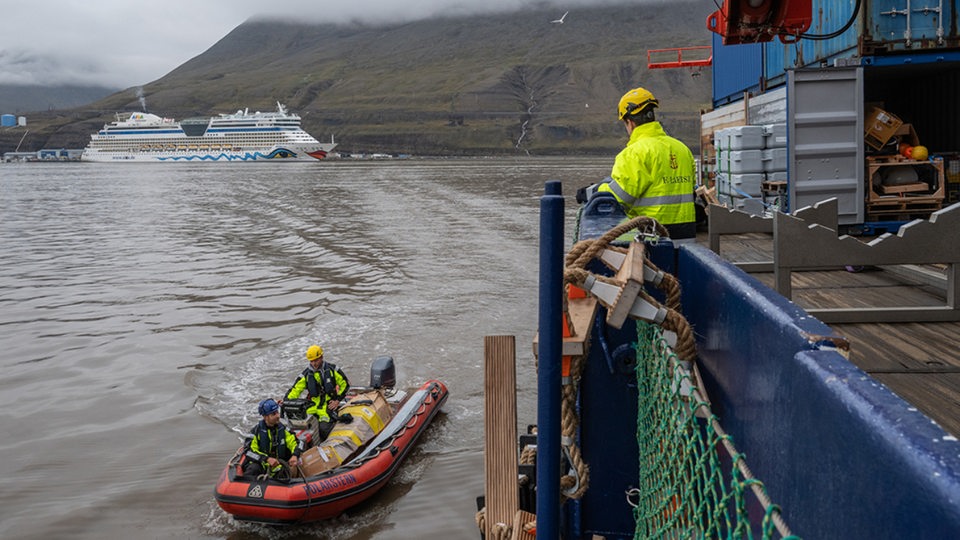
693, 482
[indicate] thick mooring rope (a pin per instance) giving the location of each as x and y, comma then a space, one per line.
573, 486
585, 251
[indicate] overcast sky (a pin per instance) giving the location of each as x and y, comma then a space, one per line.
125, 43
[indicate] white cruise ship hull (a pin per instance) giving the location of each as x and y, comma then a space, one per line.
239, 137
276, 153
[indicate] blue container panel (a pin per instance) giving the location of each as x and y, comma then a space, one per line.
887, 28
8, 120
829, 16
736, 69
740, 68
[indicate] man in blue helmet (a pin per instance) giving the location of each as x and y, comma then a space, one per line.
272, 441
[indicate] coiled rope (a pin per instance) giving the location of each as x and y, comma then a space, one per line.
585, 251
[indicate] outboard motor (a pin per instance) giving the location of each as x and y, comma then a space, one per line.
383, 374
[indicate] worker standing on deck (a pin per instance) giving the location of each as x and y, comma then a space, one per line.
654, 175
326, 386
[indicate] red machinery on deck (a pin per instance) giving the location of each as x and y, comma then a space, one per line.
752, 21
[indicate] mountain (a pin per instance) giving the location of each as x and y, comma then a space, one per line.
16, 99
507, 83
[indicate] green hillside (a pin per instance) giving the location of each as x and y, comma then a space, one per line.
508, 83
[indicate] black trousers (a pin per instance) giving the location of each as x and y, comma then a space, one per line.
253, 468
325, 429
681, 231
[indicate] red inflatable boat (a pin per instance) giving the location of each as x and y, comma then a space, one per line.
366, 465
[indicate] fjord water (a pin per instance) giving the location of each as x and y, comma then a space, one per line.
146, 309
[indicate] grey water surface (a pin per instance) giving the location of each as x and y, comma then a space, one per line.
146, 309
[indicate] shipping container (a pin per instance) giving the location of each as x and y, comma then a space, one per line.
880, 33
823, 89
825, 110
892, 26
736, 69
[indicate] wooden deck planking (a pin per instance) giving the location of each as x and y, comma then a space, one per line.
920, 362
500, 433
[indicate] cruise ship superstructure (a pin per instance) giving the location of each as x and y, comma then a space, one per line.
242, 136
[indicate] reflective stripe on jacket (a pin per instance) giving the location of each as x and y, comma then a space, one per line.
329, 382
654, 176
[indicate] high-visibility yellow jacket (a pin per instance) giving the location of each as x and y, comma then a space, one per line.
327, 383
654, 176
276, 441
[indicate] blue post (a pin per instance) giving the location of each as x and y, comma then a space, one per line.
553, 187
549, 362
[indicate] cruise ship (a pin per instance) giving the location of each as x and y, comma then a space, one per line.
242, 136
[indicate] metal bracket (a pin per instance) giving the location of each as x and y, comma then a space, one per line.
918, 242
624, 300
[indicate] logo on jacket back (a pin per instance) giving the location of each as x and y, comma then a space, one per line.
673, 161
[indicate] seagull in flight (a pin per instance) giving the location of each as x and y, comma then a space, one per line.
560, 20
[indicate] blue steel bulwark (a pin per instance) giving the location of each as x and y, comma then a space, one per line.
549, 363
840, 454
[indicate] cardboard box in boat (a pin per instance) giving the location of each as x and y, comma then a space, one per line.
370, 408
369, 419
376, 400
370, 412
328, 455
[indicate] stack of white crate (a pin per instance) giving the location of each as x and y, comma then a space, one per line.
739, 164
746, 157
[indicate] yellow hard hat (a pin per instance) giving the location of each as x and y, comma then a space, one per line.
314, 352
635, 101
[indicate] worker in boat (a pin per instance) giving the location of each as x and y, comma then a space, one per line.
273, 441
325, 384
654, 175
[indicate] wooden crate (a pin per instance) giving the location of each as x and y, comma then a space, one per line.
904, 199
904, 188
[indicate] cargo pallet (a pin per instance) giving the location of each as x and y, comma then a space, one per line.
912, 200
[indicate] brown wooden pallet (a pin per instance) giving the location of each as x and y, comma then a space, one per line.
904, 188
901, 199
905, 210
891, 158
897, 202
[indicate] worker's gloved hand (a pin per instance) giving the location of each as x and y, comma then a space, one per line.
585, 193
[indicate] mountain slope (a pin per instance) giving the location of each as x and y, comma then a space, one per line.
496, 84
15, 99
